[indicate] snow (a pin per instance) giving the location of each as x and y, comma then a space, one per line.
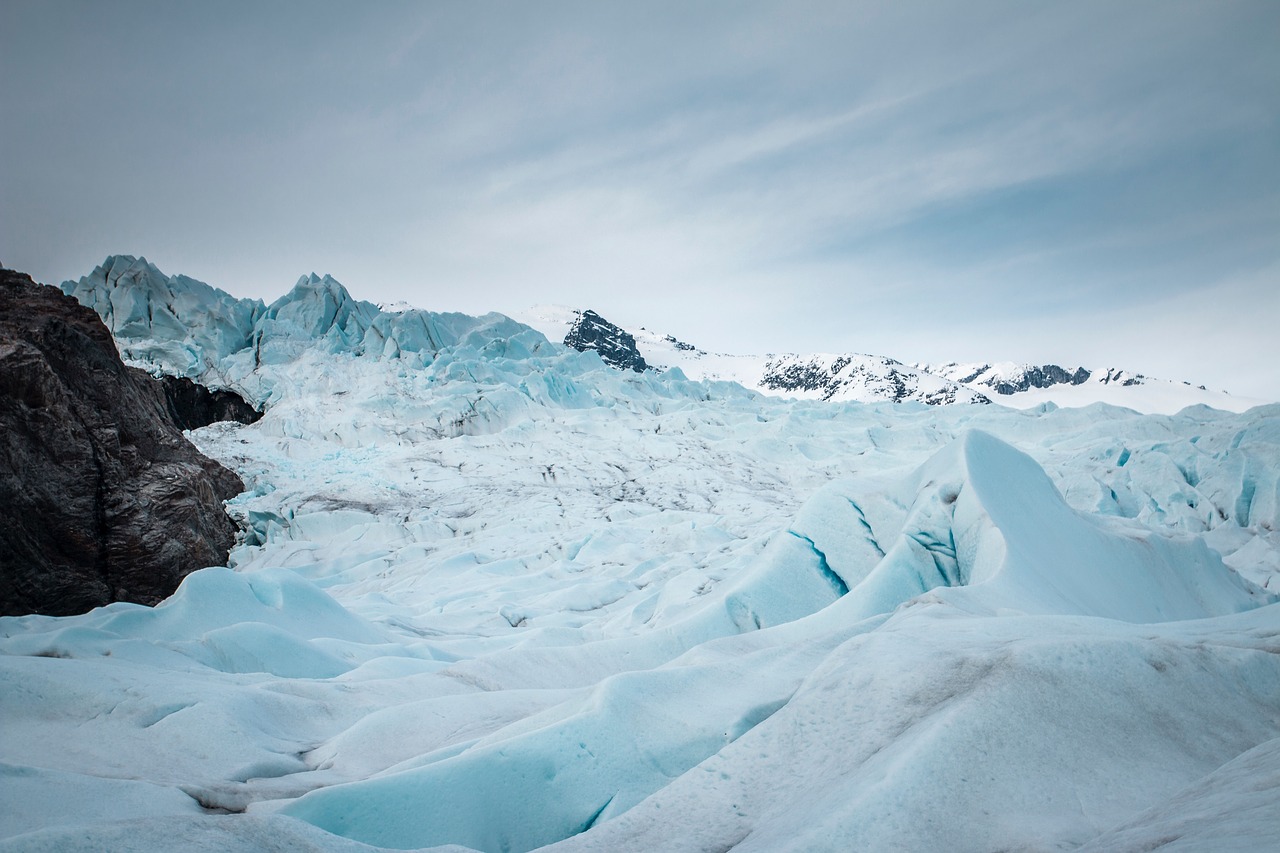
1109, 385
493, 593
869, 378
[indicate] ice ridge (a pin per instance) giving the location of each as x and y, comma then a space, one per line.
176, 325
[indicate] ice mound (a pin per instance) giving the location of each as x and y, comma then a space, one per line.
942, 730
983, 515
272, 621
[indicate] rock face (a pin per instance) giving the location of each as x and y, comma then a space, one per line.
614, 344
192, 405
101, 497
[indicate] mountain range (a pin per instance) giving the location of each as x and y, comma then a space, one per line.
873, 378
178, 326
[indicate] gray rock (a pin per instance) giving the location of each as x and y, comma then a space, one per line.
191, 405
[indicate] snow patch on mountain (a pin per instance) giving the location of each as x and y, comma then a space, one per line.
870, 378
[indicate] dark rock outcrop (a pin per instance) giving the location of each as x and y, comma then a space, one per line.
615, 345
680, 345
101, 497
1041, 376
1123, 377
192, 405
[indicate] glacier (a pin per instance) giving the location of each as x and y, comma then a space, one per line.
492, 594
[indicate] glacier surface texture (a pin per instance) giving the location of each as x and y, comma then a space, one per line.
494, 594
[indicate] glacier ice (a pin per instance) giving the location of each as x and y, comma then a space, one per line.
493, 593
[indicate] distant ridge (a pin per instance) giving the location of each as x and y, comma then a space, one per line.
176, 325
873, 378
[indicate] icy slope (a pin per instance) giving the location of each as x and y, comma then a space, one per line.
588, 760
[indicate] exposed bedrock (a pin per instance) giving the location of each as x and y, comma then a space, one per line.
614, 344
101, 497
191, 405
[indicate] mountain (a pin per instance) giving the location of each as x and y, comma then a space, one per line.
590, 331
175, 325
870, 378
495, 594
848, 377
1028, 385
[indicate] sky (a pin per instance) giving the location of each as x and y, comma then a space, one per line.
1090, 183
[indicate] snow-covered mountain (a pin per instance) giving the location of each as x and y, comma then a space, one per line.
493, 594
832, 377
869, 378
1028, 385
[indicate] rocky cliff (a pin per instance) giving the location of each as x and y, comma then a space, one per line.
101, 497
614, 344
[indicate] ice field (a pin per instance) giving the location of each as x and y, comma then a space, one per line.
495, 595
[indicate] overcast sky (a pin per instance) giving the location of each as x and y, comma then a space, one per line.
1077, 182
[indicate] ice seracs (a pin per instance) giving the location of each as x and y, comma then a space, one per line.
175, 325
175, 322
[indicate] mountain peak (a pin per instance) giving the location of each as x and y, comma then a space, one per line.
615, 345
